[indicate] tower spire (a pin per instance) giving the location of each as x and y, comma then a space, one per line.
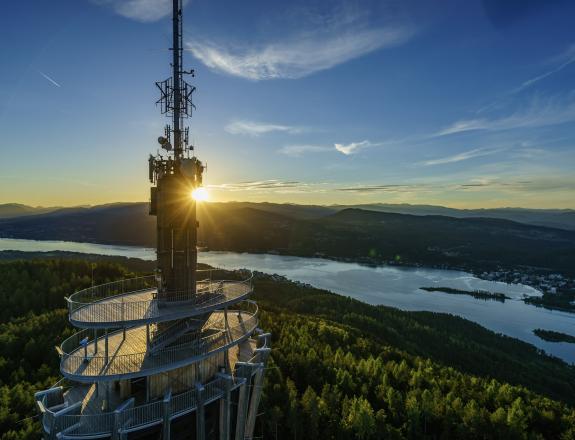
175, 93
176, 177
177, 76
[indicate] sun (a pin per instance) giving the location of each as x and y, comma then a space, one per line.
200, 194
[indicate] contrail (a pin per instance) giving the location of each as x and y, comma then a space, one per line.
49, 79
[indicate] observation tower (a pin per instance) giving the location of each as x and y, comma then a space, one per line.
174, 355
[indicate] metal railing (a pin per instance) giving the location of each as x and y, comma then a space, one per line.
82, 360
108, 290
132, 419
118, 302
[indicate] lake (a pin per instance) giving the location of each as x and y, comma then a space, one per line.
391, 286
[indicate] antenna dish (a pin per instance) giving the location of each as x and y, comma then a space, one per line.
165, 143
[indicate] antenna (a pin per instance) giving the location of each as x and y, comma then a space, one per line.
175, 93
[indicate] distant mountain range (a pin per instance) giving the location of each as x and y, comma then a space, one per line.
121, 223
340, 232
552, 218
11, 210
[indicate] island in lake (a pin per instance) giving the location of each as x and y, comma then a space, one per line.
479, 294
552, 336
563, 300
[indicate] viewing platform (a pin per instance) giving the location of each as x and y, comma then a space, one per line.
136, 301
126, 353
74, 410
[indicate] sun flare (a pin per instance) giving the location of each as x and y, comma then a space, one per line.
200, 194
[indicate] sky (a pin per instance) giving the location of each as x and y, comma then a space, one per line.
463, 104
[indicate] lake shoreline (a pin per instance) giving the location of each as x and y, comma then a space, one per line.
364, 261
385, 285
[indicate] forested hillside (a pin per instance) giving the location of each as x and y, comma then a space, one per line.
341, 369
361, 235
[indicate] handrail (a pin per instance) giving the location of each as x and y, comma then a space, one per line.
102, 291
132, 419
91, 306
97, 365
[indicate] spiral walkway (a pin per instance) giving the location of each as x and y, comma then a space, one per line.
127, 355
135, 301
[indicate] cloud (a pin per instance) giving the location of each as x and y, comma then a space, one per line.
354, 147
536, 185
54, 83
139, 10
466, 155
538, 114
318, 43
300, 150
379, 188
563, 60
252, 128
257, 185
514, 186
346, 149
303, 54
560, 62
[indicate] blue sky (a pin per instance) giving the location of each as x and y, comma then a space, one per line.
464, 104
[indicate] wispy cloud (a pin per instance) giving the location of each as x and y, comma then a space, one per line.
466, 155
306, 48
295, 58
50, 80
256, 185
268, 186
558, 63
511, 186
346, 149
300, 150
310, 48
355, 147
252, 128
421, 190
379, 188
539, 113
139, 10
562, 60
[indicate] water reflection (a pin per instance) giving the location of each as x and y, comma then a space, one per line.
390, 286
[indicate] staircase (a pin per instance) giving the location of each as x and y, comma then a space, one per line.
163, 338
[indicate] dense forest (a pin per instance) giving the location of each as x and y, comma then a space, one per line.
340, 368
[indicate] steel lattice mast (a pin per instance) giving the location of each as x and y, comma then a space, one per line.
176, 177
177, 63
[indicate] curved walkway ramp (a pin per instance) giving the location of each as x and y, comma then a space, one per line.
122, 355
135, 301
67, 415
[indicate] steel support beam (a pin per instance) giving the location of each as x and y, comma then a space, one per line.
117, 433
243, 372
167, 412
225, 406
200, 414
106, 345
263, 354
